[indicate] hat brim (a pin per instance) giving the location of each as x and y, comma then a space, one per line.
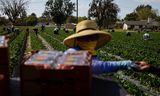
104, 37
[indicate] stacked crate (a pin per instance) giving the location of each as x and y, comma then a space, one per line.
4, 67
62, 80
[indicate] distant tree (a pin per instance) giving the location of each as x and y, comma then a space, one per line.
131, 17
158, 19
71, 19
119, 18
145, 12
3, 21
142, 12
143, 6
104, 12
46, 14
13, 8
31, 20
43, 20
46, 17
23, 14
82, 18
59, 10
21, 20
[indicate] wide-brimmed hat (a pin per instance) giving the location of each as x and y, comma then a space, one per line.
85, 28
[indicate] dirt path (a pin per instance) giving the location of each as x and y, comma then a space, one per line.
102, 86
29, 47
15, 80
15, 86
45, 43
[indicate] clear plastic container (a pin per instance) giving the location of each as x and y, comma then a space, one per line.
57, 58
44, 57
76, 58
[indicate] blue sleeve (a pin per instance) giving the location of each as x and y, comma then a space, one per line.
99, 67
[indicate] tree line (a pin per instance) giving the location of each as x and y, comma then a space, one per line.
33, 20
143, 12
104, 12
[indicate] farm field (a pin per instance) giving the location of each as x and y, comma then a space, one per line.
121, 47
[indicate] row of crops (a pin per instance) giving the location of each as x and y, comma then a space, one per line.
17, 47
135, 48
132, 47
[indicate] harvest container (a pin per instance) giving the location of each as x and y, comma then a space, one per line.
71, 80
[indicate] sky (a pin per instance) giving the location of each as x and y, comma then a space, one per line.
126, 6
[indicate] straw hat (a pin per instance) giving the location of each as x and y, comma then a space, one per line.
85, 28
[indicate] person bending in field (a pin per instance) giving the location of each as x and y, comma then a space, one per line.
42, 27
35, 31
146, 36
87, 37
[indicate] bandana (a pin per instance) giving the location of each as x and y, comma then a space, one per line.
89, 45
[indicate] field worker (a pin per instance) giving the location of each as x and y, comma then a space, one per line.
56, 29
146, 36
88, 38
128, 33
42, 27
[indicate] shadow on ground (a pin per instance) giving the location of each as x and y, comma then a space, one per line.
106, 87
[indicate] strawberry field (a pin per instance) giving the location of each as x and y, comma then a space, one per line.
121, 47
